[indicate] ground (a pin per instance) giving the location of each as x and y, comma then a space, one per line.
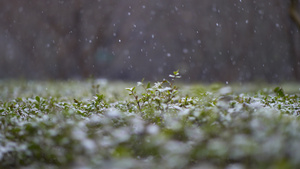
166, 124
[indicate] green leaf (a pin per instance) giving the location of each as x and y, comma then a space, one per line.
148, 85
37, 98
279, 91
100, 97
176, 73
76, 101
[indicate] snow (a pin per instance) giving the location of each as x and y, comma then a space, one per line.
152, 129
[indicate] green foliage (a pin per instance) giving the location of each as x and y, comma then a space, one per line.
156, 125
160, 96
279, 91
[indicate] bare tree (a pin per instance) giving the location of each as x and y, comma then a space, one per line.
295, 59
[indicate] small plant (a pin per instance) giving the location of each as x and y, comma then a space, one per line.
158, 96
279, 91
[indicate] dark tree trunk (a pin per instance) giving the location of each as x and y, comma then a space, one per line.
295, 58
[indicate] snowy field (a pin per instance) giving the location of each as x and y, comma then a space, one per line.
103, 124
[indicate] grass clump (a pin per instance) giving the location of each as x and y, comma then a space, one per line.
151, 125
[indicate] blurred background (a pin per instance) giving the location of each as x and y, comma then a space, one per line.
207, 40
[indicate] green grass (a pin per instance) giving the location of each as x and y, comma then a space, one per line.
99, 124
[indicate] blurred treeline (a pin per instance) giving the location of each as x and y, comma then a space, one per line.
208, 40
